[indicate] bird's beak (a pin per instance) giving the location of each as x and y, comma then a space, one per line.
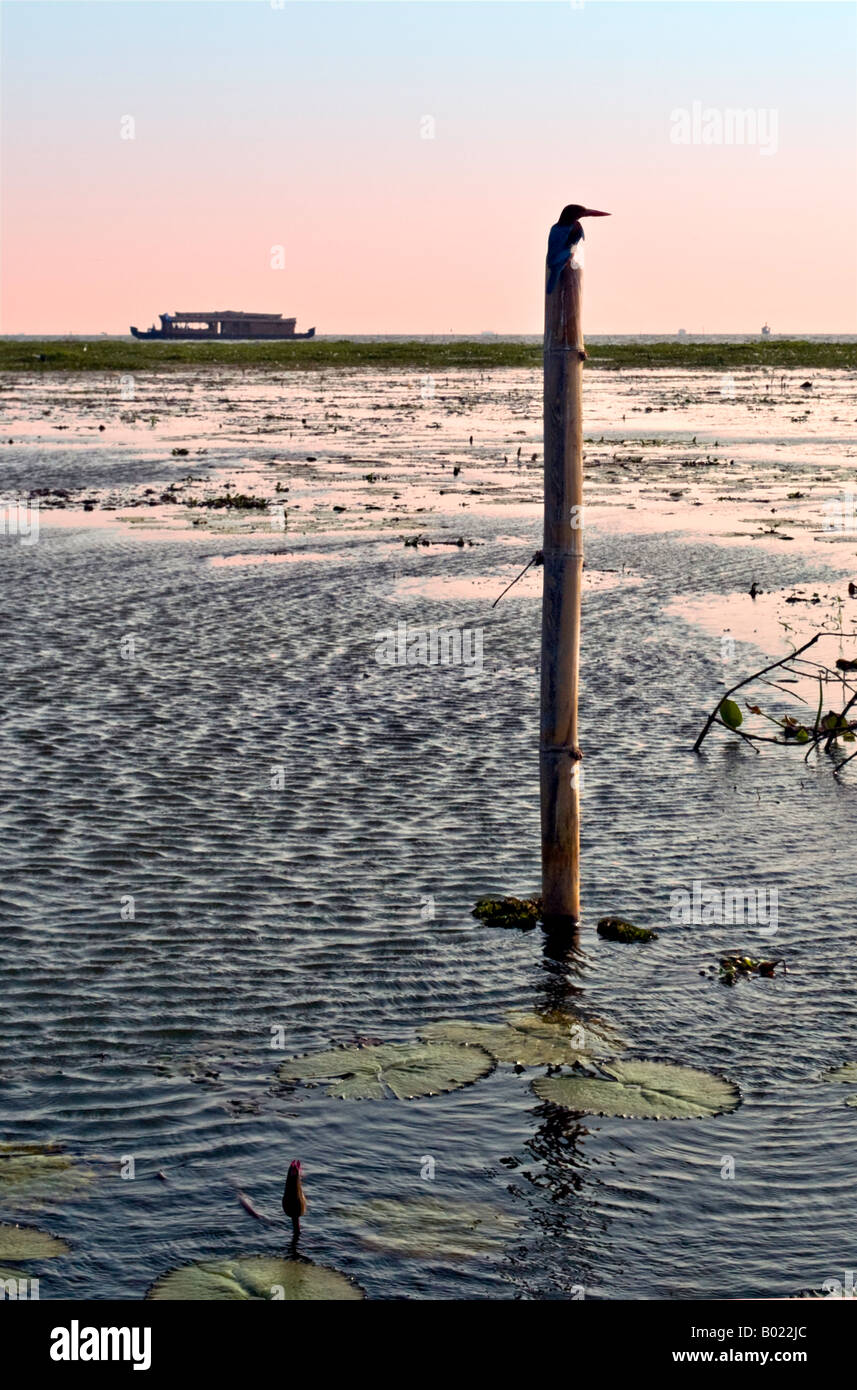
590, 212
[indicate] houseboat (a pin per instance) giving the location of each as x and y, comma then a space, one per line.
222, 323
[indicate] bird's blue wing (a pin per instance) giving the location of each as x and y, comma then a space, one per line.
559, 250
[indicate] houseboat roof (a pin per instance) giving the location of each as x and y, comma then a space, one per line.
220, 314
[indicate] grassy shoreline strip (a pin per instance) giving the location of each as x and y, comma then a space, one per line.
72, 355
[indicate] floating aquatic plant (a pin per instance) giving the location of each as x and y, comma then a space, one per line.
31, 1174
730, 713
380, 1070
28, 1243
431, 1228
618, 929
847, 1072
25, 1243
532, 1040
255, 1277
642, 1090
733, 967
523, 913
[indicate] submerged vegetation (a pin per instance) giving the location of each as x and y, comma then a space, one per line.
523, 913
431, 1227
617, 929
113, 354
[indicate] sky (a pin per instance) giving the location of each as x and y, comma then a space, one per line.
393, 167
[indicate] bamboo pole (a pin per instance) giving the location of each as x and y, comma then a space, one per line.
559, 752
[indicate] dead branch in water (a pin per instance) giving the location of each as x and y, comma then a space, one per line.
538, 559
826, 730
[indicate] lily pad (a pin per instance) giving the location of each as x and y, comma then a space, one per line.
255, 1277
731, 714
432, 1228
28, 1243
844, 1075
642, 1090
32, 1174
523, 913
532, 1040
847, 1072
617, 929
403, 1070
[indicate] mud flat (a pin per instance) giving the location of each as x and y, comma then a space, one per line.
763, 457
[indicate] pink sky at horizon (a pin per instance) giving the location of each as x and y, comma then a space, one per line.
257, 127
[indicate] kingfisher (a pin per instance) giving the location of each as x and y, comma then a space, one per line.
564, 236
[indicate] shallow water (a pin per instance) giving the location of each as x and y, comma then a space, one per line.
339, 906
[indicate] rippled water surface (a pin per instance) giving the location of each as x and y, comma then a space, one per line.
225, 825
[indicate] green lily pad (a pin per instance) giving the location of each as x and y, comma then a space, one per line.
432, 1228
731, 714
532, 1040
28, 1243
642, 1090
380, 1070
617, 929
255, 1277
523, 913
847, 1072
33, 1174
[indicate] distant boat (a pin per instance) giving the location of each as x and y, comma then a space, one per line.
222, 323
766, 330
